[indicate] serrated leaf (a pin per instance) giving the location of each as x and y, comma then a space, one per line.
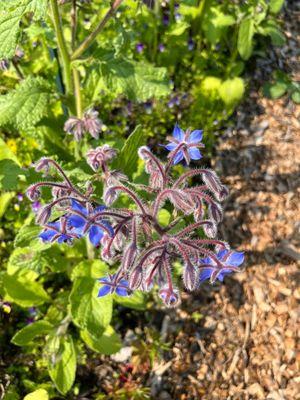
26, 234
108, 343
138, 81
275, 6
88, 311
25, 258
39, 394
232, 91
9, 31
26, 105
11, 13
245, 38
128, 157
26, 335
22, 291
62, 362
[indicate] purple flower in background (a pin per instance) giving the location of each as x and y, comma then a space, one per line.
20, 197
210, 270
110, 285
184, 145
4, 65
161, 47
191, 44
166, 19
36, 206
139, 47
178, 17
81, 221
174, 101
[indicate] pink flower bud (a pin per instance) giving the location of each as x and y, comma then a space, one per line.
135, 278
110, 196
33, 193
210, 229
190, 277
43, 215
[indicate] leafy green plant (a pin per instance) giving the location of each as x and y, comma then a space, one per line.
280, 85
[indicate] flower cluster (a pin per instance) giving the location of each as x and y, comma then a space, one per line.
89, 123
134, 237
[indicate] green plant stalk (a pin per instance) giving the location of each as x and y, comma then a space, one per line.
77, 92
89, 40
203, 7
62, 47
89, 250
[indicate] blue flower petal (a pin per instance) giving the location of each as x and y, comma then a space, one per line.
104, 290
124, 282
99, 209
222, 253
171, 146
47, 235
194, 153
121, 291
95, 235
76, 206
205, 273
104, 279
55, 225
76, 221
235, 259
178, 133
195, 136
178, 157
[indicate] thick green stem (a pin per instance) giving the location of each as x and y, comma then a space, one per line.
77, 92
62, 47
89, 40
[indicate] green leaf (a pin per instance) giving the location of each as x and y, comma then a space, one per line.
11, 13
232, 91
26, 234
88, 311
89, 268
245, 38
39, 394
26, 335
178, 29
128, 157
271, 29
136, 301
26, 258
214, 24
5, 199
296, 97
9, 31
108, 343
164, 217
9, 174
23, 291
61, 362
26, 105
275, 6
275, 90
138, 81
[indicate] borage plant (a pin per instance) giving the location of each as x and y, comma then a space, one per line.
133, 236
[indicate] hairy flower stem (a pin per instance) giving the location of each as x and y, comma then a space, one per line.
61, 43
89, 40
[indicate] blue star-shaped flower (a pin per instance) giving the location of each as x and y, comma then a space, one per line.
55, 232
81, 222
184, 145
109, 285
231, 260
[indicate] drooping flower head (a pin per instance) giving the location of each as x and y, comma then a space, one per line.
185, 145
89, 123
